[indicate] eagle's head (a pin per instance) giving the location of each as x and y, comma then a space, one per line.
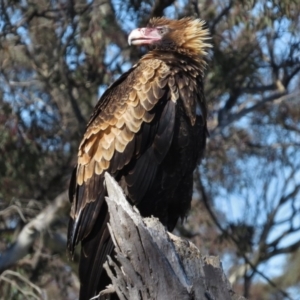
185, 35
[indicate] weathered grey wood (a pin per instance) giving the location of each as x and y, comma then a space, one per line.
151, 263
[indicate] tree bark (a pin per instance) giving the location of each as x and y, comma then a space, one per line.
151, 263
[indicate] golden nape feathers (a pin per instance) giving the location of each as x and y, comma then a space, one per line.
187, 35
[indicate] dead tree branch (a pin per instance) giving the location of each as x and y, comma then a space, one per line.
151, 263
31, 231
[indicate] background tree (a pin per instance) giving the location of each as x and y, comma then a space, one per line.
57, 57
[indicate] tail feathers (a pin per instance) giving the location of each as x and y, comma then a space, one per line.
94, 251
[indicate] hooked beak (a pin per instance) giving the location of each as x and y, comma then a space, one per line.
143, 36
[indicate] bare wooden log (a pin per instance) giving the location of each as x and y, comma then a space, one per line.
151, 263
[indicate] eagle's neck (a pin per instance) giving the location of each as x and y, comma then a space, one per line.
177, 58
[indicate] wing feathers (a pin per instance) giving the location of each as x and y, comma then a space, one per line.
129, 135
151, 97
94, 253
146, 87
132, 95
148, 117
80, 175
109, 152
88, 202
165, 131
90, 169
141, 176
158, 91
138, 111
98, 169
142, 96
133, 125
120, 144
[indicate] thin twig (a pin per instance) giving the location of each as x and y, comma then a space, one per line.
16, 208
6, 273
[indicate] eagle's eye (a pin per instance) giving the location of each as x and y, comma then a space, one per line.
162, 30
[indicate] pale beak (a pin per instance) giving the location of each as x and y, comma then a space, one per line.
143, 36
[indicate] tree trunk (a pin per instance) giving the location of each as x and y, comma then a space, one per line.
151, 263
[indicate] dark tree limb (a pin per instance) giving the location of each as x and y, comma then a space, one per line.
159, 6
151, 263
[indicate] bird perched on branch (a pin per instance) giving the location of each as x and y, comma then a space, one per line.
148, 130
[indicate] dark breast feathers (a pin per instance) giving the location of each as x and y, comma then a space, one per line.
148, 131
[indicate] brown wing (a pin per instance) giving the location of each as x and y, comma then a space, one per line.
118, 134
128, 135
